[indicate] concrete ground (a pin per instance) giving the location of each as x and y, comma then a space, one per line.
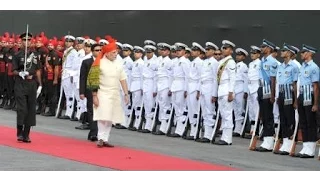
237, 155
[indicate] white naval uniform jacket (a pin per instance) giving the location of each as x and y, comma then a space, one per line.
127, 66
254, 75
194, 75
180, 74
76, 65
208, 77
67, 68
149, 71
241, 78
227, 79
136, 75
164, 73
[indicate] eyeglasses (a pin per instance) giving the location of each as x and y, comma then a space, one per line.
25, 39
97, 50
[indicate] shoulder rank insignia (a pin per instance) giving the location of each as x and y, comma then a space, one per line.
274, 67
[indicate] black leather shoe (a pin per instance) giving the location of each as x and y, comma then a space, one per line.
64, 117
283, 153
261, 149
145, 131
277, 152
174, 135
203, 140
235, 134
27, 140
132, 129
158, 133
93, 138
74, 119
119, 126
221, 142
306, 156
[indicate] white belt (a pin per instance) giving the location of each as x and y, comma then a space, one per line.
147, 78
254, 82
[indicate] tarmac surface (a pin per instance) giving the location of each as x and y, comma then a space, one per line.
237, 155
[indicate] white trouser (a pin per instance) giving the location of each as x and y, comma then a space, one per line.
125, 123
67, 88
137, 105
148, 104
104, 128
226, 109
179, 104
238, 110
193, 105
208, 111
164, 105
81, 104
276, 117
253, 105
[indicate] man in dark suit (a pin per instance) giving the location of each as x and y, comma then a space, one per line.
86, 93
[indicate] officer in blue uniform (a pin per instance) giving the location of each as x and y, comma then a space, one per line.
308, 101
287, 77
266, 94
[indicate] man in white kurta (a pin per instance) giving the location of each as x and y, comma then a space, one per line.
107, 102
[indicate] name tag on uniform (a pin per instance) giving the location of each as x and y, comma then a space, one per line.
10, 57
266, 67
49, 58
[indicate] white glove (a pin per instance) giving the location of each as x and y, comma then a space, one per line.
23, 74
39, 90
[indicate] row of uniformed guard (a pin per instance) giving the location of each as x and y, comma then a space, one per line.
173, 91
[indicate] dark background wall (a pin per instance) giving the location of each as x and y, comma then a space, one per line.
244, 28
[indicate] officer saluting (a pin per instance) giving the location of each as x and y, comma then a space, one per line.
26, 87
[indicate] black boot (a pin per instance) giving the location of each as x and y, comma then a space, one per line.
26, 133
12, 103
20, 132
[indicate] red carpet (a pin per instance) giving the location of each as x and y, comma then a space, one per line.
119, 158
